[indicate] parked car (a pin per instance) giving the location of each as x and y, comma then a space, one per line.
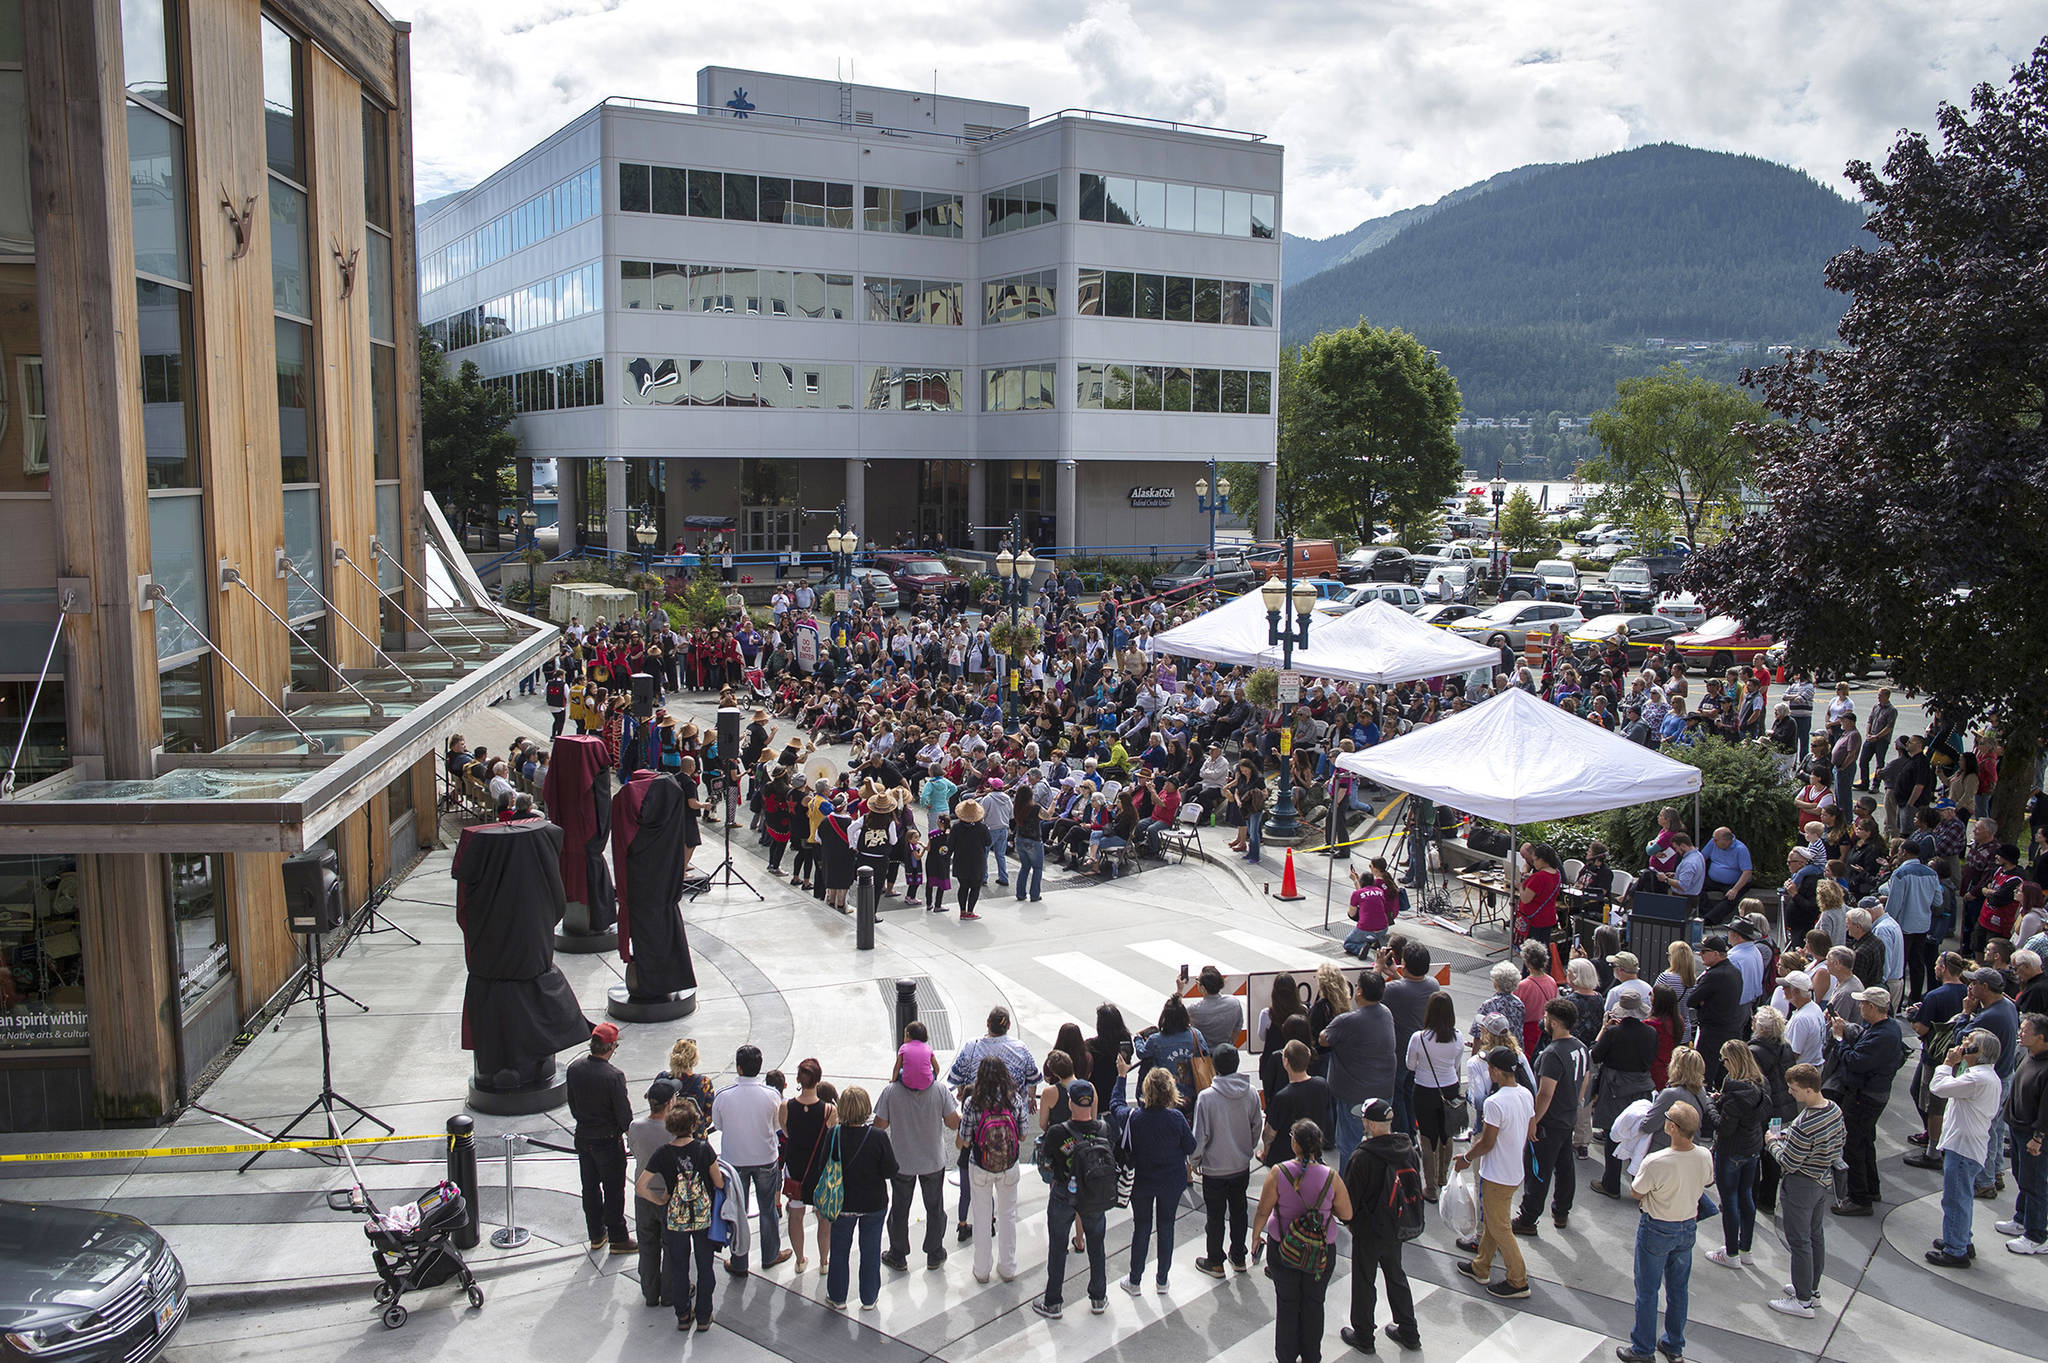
1663, 566
1225, 572
1631, 581
85, 1286
1522, 586
1598, 600
1774, 658
1312, 558
1463, 579
1592, 533
1436, 556
1511, 622
1445, 614
1375, 563
1681, 606
1401, 594
916, 574
1721, 643
883, 586
1559, 576
1645, 632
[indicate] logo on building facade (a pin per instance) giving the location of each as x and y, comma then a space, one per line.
738, 103
1151, 496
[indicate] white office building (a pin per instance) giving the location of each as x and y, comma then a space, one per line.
940, 311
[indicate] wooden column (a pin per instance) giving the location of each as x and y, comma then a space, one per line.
85, 294
405, 321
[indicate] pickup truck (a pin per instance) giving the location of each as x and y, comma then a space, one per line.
1632, 581
1225, 572
1437, 556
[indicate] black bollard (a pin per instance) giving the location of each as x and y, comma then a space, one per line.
906, 1005
462, 1173
867, 904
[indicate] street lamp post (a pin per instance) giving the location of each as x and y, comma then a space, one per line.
1279, 596
1014, 572
529, 521
1204, 502
1500, 494
643, 535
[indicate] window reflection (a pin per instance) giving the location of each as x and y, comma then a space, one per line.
156, 189
1026, 388
283, 102
295, 415
149, 59
169, 435
1172, 388
1132, 202
1029, 203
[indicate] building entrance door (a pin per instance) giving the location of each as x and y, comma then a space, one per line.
942, 502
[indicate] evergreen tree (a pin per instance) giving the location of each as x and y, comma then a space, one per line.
466, 444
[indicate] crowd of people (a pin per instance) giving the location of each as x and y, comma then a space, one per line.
1740, 1080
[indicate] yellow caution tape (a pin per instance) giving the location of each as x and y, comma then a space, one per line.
52, 1156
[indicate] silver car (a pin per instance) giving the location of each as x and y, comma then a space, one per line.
1512, 622
85, 1286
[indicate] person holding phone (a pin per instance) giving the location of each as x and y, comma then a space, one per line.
1969, 1082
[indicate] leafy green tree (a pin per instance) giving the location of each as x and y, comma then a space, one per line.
1521, 524
1676, 434
1365, 431
466, 442
1908, 485
1642, 509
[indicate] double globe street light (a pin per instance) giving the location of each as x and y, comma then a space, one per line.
1278, 594
1014, 573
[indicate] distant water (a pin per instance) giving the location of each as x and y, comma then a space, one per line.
1552, 495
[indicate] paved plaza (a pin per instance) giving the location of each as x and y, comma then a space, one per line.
276, 1274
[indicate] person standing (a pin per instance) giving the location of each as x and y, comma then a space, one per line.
996, 810
687, 1169
1716, 1000
1362, 1058
1864, 1062
1498, 1153
2026, 1114
602, 1112
917, 1111
966, 1070
1028, 830
1740, 1110
1668, 1186
645, 1136
744, 1113
1972, 1091
1560, 1071
1407, 998
1300, 1192
970, 845
1806, 1152
868, 1162
1382, 1170
1084, 1177
1305, 1095
1160, 1143
1228, 1123
991, 1134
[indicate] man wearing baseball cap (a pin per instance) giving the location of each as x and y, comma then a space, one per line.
1866, 1059
602, 1112
1383, 1165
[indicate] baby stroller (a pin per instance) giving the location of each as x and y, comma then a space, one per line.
411, 1245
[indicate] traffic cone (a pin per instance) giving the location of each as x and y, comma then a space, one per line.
1287, 890
1556, 966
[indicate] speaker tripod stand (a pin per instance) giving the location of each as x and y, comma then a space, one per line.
725, 872
313, 985
372, 920
327, 1099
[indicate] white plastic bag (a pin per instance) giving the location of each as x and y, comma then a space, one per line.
1458, 1204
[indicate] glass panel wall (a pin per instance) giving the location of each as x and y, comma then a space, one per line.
1172, 388
1130, 202
42, 962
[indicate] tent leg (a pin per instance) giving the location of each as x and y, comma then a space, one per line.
1695, 818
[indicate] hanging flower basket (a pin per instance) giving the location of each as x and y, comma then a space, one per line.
1262, 688
1015, 641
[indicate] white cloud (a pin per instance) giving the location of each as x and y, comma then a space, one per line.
1381, 104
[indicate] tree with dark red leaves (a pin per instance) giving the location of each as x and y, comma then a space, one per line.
1908, 485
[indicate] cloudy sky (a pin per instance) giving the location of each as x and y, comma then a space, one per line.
1381, 104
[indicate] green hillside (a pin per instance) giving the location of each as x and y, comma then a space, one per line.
1540, 292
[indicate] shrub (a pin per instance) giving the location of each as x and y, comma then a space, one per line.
1570, 837
1262, 688
697, 603
1742, 788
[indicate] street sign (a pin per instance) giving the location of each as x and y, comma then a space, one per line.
1290, 687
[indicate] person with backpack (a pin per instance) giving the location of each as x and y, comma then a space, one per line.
1157, 1142
1299, 1208
1384, 1179
992, 1134
557, 694
1084, 1178
690, 1172
1228, 1122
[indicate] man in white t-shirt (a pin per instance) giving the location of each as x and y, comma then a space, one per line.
1510, 1109
1806, 1027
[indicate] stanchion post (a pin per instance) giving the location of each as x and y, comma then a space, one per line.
866, 907
906, 1005
511, 1235
462, 1173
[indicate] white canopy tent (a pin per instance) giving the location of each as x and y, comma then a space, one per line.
1377, 643
1517, 759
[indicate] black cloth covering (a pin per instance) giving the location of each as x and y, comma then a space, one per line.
578, 794
517, 1008
648, 846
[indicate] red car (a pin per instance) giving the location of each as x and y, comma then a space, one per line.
917, 574
1721, 643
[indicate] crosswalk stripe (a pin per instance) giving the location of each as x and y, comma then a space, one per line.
1257, 1347
1139, 1001
1286, 954
1528, 1335
1173, 955
1033, 1012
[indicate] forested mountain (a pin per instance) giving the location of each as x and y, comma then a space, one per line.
1301, 257
1540, 292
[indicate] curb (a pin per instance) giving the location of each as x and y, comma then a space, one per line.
224, 1298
